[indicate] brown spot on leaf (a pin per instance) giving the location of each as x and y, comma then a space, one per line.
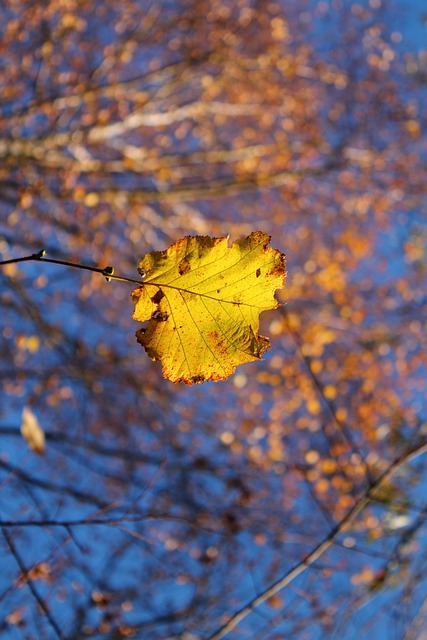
279, 268
160, 316
140, 335
157, 296
183, 267
219, 343
258, 273
197, 379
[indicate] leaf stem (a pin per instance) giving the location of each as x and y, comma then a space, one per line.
107, 272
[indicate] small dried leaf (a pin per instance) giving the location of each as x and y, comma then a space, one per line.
32, 432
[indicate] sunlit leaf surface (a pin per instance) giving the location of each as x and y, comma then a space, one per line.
203, 299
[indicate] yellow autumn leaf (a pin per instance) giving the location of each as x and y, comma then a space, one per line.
32, 432
202, 300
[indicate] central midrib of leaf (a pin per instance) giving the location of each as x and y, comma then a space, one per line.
196, 293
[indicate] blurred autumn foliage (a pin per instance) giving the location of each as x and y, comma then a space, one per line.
288, 501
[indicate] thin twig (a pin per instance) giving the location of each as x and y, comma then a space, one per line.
105, 522
107, 272
40, 601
